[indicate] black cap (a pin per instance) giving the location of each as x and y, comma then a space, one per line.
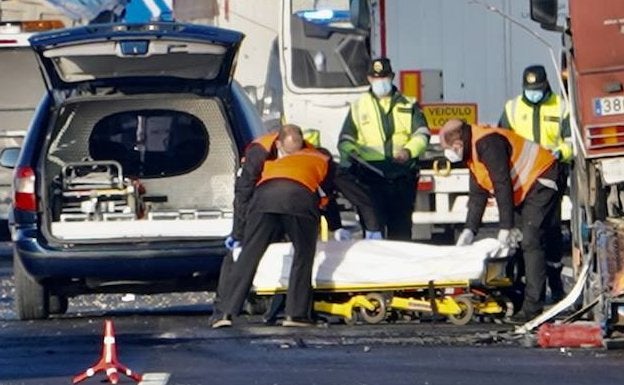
380, 68
534, 78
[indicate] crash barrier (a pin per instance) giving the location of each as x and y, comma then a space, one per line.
379, 280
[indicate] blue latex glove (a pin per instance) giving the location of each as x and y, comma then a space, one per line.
231, 243
372, 235
342, 235
556, 153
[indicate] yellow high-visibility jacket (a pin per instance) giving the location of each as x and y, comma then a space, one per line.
377, 130
543, 123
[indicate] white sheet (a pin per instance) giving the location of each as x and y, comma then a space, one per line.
365, 263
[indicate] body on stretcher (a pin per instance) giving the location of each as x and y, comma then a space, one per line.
377, 280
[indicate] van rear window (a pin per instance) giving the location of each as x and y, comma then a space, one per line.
151, 143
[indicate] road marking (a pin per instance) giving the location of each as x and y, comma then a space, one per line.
155, 379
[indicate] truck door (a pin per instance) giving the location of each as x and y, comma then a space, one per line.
323, 59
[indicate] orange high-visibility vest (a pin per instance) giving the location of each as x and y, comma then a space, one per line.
307, 167
528, 162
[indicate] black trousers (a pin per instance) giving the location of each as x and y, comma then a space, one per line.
260, 230
360, 196
538, 217
554, 242
395, 199
223, 285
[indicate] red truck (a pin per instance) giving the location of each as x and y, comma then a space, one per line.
593, 70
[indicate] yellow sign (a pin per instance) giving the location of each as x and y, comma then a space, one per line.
439, 113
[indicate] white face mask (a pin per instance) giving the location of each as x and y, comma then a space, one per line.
381, 87
454, 156
534, 96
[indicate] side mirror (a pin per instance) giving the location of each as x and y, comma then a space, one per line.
545, 13
8, 157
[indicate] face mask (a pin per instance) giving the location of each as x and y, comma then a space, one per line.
453, 156
534, 96
381, 87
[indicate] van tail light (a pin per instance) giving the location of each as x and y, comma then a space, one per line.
24, 187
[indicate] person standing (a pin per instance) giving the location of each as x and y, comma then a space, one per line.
284, 199
381, 139
522, 177
540, 115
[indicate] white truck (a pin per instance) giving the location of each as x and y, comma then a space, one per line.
22, 88
456, 57
304, 61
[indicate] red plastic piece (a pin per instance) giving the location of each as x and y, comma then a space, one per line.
574, 335
108, 363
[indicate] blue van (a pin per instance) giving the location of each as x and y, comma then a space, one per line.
125, 179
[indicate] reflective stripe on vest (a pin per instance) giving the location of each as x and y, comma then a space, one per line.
528, 162
365, 113
520, 117
307, 167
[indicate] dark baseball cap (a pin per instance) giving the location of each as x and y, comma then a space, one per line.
380, 68
534, 78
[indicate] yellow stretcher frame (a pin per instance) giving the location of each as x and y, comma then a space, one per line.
371, 302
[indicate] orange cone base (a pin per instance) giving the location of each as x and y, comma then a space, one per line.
108, 363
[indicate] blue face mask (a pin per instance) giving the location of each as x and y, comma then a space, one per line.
381, 87
533, 96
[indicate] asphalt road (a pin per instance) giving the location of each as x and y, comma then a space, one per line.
167, 338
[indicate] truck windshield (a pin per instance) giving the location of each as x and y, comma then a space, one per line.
327, 50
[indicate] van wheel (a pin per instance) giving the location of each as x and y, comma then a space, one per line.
30, 295
58, 304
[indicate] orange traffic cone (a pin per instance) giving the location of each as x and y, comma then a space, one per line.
108, 363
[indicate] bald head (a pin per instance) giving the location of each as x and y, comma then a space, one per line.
289, 139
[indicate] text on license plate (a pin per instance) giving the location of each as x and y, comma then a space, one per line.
611, 105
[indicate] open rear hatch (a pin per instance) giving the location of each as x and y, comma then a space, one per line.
156, 163
125, 54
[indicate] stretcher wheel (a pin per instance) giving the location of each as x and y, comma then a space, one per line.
467, 311
353, 320
377, 315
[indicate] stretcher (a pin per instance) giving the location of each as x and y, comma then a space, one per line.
380, 280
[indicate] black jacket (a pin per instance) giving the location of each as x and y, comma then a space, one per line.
278, 196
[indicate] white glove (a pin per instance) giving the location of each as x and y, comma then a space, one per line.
504, 237
342, 235
509, 241
465, 238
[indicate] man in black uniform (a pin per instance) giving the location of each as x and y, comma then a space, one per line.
277, 195
538, 114
522, 176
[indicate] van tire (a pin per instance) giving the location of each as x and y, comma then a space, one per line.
30, 295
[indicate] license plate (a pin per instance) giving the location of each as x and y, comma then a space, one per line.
612, 170
611, 105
